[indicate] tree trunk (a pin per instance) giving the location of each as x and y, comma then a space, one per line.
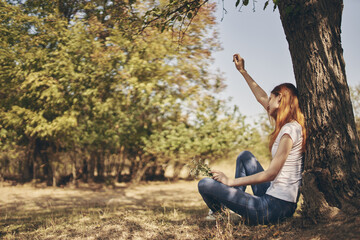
100, 155
84, 170
139, 166
28, 164
139, 174
331, 167
73, 171
91, 165
121, 163
177, 170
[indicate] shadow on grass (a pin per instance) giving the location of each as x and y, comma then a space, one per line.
120, 213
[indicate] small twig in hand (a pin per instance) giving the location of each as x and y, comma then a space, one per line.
199, 167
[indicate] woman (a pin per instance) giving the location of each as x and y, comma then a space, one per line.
276, 189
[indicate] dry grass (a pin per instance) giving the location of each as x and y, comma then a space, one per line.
157, 210
148, 211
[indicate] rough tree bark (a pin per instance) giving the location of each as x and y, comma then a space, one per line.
331, 178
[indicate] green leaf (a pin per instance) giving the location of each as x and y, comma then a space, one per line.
245, 2
266, 4
237, 3
276, 2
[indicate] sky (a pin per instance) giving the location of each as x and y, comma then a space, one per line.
259, 38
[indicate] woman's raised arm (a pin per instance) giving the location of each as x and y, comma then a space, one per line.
258, 92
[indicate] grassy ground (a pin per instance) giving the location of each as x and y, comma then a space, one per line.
156, 210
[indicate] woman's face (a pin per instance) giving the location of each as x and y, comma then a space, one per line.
273, 105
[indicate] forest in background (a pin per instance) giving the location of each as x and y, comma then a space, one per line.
87, 92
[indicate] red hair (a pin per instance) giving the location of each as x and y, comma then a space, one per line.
288, 111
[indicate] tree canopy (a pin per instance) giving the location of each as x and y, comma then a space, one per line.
86, 88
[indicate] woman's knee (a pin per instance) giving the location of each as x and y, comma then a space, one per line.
206, 184
244, 156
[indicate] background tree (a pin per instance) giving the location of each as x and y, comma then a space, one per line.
84, 95
201, 138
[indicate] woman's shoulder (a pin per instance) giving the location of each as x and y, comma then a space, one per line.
292, 128
292, 124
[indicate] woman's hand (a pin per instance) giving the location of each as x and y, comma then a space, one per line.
220, 177
239, 62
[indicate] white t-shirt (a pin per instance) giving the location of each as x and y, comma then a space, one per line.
286, 184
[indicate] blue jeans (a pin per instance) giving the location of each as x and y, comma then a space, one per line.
259, 208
